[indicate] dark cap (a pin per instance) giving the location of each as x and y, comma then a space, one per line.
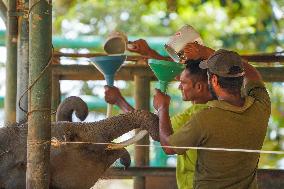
224, 63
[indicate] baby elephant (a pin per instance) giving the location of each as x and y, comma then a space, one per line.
72, 165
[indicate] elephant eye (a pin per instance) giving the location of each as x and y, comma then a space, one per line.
21, 165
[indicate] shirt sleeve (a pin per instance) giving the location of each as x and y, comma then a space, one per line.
258, 91
190, 135
179, 120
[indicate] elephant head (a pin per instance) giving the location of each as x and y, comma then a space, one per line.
82, 157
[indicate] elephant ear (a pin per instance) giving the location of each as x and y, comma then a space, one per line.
70, 105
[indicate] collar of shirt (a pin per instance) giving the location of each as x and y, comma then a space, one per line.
226, 106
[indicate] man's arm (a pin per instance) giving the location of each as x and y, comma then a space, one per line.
141, 46
254, 87
155, 55
195, 51
113, 96
165, 130
190, 134
161, 103
251, 73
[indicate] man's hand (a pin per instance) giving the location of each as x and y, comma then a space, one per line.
112, 94
139, 46
161, 100
195, 51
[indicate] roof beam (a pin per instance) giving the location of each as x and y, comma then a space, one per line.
127, 72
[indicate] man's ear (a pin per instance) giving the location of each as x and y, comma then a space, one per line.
199, 86
214, 80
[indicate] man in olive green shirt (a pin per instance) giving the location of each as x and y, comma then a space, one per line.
231, 122
186, 162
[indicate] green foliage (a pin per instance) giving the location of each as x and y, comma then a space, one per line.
86, 89
243, 25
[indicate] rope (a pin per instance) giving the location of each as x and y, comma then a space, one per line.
33, 83
42, 72
56, 143
37, 143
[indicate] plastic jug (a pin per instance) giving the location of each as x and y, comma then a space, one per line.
177, 42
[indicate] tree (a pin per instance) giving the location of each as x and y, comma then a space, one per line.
246, 26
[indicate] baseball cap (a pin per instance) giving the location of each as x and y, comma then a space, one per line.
224, 63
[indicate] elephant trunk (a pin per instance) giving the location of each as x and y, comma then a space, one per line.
108, 129
70, 105
138, 119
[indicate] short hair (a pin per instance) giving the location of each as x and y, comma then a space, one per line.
232, 85
192, 66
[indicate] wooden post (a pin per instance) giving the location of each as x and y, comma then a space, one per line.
3, 11
40, 50
23, 62
142, 101
56, 94
11, 64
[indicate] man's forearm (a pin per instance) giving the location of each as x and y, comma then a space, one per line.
153, 54
251, 73
207, 52
165, 129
